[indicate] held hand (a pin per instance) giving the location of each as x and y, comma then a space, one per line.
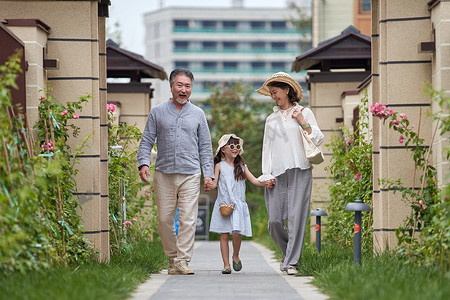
144, 173
298, 116
208, 184
269, 183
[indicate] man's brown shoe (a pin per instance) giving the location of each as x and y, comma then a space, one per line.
181, 268
172, 269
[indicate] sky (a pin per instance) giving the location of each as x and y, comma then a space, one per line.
129, 15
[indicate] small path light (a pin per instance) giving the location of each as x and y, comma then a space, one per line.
318, 213
358, 206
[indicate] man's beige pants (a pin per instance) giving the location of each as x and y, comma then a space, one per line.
172, 190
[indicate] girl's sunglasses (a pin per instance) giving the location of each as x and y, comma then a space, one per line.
234, 146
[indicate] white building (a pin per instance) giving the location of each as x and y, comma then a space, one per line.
224, 45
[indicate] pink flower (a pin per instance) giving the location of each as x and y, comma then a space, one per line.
338, 183
76, 116
147, 194
64, 112
134, 219
400, 141
358, 176
126, 224
111, 107
123, 199
47, 146
347, 140
421, 202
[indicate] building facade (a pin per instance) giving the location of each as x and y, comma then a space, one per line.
223, 45
330, 17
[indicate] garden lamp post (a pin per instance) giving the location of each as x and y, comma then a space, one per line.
318, 213
358, 206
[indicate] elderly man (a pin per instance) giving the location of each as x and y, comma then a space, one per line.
183, 141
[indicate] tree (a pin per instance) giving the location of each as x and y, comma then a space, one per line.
303, 22
231, 109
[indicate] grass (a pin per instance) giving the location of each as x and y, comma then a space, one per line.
379, 277
382, 277
92, 280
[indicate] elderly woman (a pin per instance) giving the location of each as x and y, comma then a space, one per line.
284, 161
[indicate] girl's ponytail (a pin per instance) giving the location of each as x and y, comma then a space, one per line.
239, 164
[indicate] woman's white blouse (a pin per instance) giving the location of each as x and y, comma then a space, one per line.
283, 145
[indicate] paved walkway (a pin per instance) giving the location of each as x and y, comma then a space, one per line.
260, 278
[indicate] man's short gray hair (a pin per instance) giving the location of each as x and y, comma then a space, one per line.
179, 71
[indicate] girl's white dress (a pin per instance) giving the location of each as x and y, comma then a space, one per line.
230, 190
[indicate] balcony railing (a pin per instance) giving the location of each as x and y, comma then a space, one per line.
239, 30
244, 51
241, 71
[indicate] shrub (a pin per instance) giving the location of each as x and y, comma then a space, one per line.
351, 172
38, 224
430, 207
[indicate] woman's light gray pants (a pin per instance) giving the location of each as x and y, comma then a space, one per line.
287, 203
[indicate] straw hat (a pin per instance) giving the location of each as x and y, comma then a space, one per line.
224, 140
281, 77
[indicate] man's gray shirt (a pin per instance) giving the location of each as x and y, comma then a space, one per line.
182, 140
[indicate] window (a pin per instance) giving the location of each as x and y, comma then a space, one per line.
209, 65
182, 64
230, 24
364, 5
230, 65
181, 45
277, 25
257, 84
209, 84
257, 25
181, 23
209, 24
258, 65
258, 45
230, 45
278, 46
278, 66
209, 45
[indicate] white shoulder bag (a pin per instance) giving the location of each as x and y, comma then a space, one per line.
313, 153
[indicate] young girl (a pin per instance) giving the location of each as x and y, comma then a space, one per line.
230, 173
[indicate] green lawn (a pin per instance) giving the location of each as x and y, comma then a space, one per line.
93, 280
382, 277
379, 277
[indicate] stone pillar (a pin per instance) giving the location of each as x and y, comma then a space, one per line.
34, 35
399, 72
